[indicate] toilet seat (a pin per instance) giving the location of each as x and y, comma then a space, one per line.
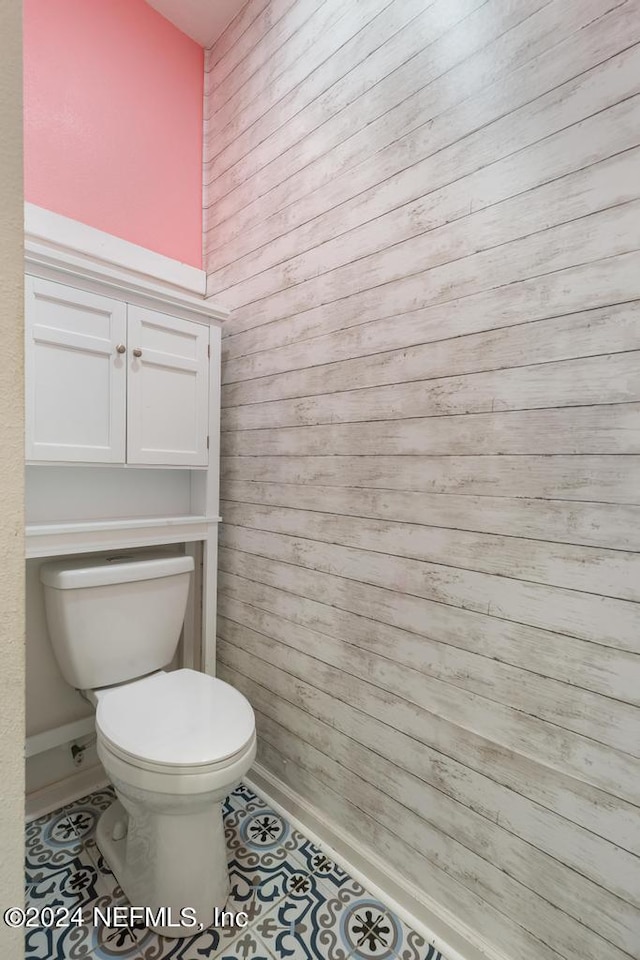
175, 770
177, 723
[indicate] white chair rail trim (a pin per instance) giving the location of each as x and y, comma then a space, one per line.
65, 250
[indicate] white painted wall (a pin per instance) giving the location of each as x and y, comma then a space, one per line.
425, 216
50, 701
11, 476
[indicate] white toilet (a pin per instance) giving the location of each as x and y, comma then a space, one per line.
173, 744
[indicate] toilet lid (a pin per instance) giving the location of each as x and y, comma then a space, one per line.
183, 718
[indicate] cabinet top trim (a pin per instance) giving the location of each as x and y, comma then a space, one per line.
64, 250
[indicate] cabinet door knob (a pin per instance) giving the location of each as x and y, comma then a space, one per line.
137, 352
121, 348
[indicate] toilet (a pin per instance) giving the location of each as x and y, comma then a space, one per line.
174, 744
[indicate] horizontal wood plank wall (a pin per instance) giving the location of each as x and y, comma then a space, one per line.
425, 215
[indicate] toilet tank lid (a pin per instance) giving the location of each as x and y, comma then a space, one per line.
112, 568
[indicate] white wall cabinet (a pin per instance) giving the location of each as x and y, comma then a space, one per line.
111, 382
76, 381
167, 389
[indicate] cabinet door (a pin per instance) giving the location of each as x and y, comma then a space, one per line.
75, 375
168, 390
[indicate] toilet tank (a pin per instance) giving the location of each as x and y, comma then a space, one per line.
115, 618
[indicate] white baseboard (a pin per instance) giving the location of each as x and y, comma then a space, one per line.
429, 918
62, 792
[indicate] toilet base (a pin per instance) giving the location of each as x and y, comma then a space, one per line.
167, 862
112, 846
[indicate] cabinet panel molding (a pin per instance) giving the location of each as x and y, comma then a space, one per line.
167, 389
75, 400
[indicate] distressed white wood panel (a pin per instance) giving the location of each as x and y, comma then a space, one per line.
570, 383
609, 429
611, 622
604, 720
459, 863
587, 333
404, 125
243, 33
428, 226
578, 802
414, 66
607, 233
615, 770
325, 728
553, 295
543, 828
595, 570
572, 478
429, 633
241, 140
604, 85
278, 41
431, 259
329, 88
457, 855
516, 177
401, 205
592, 524
422, 875
325, 23
334, 605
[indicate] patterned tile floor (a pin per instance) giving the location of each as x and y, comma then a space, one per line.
301, 905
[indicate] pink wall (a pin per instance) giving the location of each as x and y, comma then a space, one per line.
113, 121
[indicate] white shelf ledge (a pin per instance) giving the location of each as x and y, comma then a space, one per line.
58, 539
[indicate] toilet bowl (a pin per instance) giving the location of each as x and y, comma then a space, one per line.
174, 744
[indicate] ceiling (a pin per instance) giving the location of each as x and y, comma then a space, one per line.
202, 20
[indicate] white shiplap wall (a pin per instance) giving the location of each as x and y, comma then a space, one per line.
426, 217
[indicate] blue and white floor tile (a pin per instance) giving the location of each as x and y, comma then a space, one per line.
51, 842
300, 904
